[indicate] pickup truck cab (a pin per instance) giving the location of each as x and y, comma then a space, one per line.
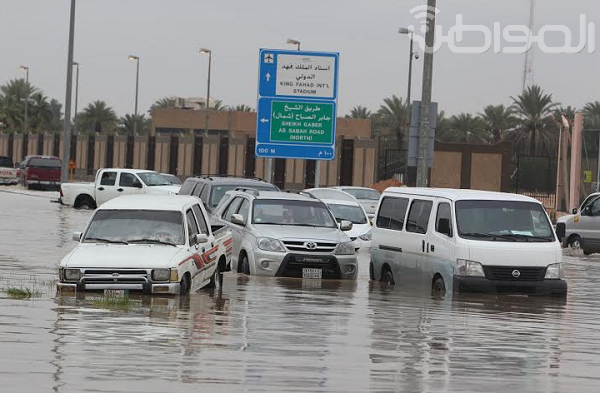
465, 241
111, 183
41, 171
287, 235
154, 244
8, 173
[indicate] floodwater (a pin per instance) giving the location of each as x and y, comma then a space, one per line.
277, 335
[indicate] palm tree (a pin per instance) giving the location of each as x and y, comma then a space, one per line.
465, 128
40, 114
127, 122
98, 117
11, 112
165, 102
359, 112
591, 115
57, 116
391, 117
536, 131
241, 108
497, 119
219, 106
19, 89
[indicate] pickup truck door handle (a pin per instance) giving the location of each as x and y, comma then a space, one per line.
100, 188
390, 248
423, 245
120, 189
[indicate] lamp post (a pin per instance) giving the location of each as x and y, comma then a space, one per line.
137, 84
76, 64
411, 54
291, 41
66, 153
207, 105
26, 123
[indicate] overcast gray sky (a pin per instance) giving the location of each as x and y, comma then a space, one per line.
166, 34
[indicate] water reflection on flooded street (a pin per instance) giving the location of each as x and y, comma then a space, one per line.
281, 334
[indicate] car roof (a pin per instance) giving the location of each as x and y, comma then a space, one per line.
44, 157
129, 170
150, 202
353, 188
224, 179
340, 202
458, 194
292, 196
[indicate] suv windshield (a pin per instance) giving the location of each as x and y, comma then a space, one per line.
153, 179
354, 214
124, 226
292, 212
218, 191
6, 162
503, 221
44, 163
363, 193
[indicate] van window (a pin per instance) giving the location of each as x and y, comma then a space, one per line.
443, 211
391, 213
108, 179
418, 217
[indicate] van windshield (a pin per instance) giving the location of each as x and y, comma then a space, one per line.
503, 221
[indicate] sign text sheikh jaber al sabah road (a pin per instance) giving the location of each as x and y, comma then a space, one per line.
297, 104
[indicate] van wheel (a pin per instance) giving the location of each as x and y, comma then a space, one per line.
575, 243
438, 289
245, 265
388, 278
184, 285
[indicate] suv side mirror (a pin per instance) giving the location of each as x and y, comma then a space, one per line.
77, 236
200, 238
574, 211
346, 225
237, 219
444, 227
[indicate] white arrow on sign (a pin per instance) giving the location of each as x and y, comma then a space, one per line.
320, 153
268, 77
263, 120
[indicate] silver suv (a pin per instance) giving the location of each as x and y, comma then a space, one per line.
287, 235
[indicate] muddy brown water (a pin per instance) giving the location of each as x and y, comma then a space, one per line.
280, 335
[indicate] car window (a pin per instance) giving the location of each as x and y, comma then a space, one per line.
218, 191
128, 180
443, 211
191, 223
391, 213
232, 208
418, 217
354, 214
595, 208
588, 200
187, 187
198, 189
108, 179
244, 210
309, 213
363, 193
200, 219
44, 163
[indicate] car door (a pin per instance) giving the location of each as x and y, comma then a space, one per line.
588, 226
195, 249
416, 242
107, 189
441, 252
129, 184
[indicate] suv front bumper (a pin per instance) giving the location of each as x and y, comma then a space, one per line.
335, 267
484, 285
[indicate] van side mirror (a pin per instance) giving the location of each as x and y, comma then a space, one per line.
346, 225
444, 227
77, 236
574, 211
200, 238
237, 219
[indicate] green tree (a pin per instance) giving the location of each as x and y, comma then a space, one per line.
359, 112
11, 113
591, 115
219, 106
464, 128
391, 117
97, 117
40, 113
165, 102
126, 124
536, 131
496, 120
56, 123
241, 108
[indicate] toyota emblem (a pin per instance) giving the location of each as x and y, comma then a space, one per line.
115, 274
310, 245
516, 273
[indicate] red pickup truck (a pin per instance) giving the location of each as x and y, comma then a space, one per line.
41, 171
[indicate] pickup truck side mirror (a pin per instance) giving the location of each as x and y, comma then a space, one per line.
77, 236
444, 227
200, 238
574, 211
237, 219
346, 225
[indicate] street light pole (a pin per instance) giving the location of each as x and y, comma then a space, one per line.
67, 124
207, 104
26, 123
137, 83
76, 64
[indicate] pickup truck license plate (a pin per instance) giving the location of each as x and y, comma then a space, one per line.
309, 273
115, 293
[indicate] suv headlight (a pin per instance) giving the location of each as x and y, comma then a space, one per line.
367, 236
72, 274
553, 271
269, 244
464, 267
345, 248
161, 275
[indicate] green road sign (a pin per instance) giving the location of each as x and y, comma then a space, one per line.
293, 121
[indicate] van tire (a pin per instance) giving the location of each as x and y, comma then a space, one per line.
387, 277
575, 242
438, 288
245, 265
184, 285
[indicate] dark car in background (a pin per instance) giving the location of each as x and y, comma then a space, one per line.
41, 172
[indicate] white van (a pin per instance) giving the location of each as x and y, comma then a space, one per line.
465, 240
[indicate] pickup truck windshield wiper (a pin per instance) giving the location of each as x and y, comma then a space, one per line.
488, 235
151, 241
102, 240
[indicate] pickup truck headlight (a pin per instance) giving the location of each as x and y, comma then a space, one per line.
72, 274
366, 237
553, 271
269, 244
345, 248
161, 275
464, 267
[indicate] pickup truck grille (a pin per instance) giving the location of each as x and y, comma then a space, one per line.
121, 276
310, 246
506, 273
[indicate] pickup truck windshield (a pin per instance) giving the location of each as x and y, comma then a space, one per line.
505, 221
360, 193
354, 214
152, 179
139, 226
293, 213
6, 162
219, 191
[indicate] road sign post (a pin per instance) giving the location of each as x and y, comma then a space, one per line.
297, 104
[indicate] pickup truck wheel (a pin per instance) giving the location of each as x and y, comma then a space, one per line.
216, 281
575, 243
184, 286
86, 204
245, 265
438, 290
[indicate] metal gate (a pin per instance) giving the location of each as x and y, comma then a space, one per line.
535, 176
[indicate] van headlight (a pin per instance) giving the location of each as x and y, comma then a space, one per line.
367, 236
464, 267
345, 248
553, 271
269, 244
161, 275
72, 274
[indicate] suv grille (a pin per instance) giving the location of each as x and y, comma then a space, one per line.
309, 246
506, 273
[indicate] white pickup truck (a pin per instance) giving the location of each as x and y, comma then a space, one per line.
152, 244
112, 183
8, 173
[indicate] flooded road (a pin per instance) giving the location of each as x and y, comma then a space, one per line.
265, 334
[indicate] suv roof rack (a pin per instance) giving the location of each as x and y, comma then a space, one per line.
211, 175
248, 190
300, 192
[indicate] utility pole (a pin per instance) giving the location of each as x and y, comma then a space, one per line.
26, 123
76, 64
424, 132
67, 125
